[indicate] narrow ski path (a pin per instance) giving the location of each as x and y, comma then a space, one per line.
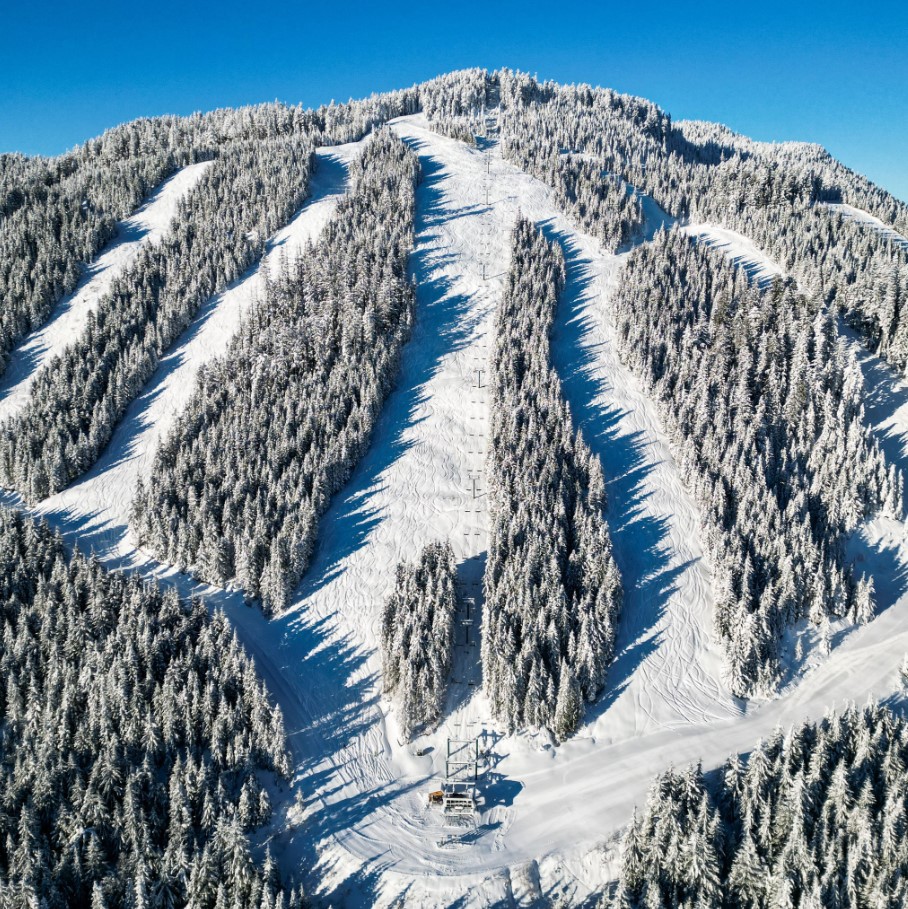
146, 225
867, 220
98, 503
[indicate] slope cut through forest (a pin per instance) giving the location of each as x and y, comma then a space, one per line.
537, 422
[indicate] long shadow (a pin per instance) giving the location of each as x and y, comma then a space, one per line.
885, 392
885, 564
752, 268
641, 547
466, 671
442, 326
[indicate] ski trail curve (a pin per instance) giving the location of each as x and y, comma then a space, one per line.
865, 219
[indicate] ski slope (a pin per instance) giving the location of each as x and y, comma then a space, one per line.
864, 218
146, 225
377, 840
365, 835
100, 501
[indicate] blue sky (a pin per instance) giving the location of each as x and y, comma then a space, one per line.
831, 73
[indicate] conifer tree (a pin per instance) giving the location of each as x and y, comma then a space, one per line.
553, 592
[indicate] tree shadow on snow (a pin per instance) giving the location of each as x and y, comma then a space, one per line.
466, 671
641, 546
885, 392
443, 325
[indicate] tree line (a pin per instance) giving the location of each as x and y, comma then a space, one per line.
277, 425
772, 193
552, 588
417, 636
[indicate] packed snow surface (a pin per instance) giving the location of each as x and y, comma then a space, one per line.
365, 833
146, 225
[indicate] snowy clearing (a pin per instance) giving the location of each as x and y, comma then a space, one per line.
741, 251
146, 225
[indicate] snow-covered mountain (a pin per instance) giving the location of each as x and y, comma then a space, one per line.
523, 446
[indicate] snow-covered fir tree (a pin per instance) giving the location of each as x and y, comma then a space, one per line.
258, 179
135, 739
417, 636
553, 592
276, 426
815, 817
765, 410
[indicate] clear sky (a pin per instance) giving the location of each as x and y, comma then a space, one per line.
832, 73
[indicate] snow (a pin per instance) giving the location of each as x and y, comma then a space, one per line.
146, 225
550, 813
865, 218
741, 251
